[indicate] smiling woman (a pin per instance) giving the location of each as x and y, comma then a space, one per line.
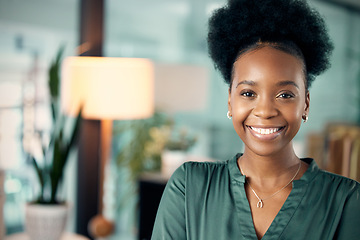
269, 52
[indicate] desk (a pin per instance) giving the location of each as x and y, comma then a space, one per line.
66, 236
151, 187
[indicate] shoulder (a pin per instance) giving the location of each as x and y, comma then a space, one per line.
202, 169
325, 180
199, 172
342, 185
338, 179
205, 166
346, 201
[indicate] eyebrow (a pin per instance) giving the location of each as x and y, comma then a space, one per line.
287, 82
282, 83
246, 82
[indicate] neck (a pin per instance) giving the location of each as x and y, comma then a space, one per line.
270, 169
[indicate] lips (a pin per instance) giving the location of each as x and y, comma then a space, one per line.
265, 133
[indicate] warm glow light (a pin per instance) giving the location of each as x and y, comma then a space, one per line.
109, 88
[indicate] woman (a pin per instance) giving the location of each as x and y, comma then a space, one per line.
269, 52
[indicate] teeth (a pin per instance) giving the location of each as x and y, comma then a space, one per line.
265, 131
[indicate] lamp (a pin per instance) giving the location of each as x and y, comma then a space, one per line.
107, 89
181, 88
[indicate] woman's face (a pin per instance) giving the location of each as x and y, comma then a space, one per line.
267, 100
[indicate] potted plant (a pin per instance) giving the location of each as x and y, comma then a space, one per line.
133, 137
171, 144
46, 216
144, 142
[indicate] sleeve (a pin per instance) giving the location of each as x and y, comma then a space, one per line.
350, 219
170, 218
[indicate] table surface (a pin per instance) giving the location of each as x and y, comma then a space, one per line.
66, 236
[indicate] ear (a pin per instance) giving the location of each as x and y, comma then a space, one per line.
307, 103
229, 100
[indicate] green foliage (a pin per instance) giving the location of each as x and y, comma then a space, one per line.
171, 138
50, 174
54, 82
141, 142
133, 136
56, 154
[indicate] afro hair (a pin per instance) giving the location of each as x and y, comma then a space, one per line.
242, 23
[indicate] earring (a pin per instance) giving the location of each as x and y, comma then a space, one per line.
305, 118
229, 116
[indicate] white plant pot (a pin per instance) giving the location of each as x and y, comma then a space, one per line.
171, 160
45, 222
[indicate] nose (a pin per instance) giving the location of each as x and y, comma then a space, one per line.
265, 108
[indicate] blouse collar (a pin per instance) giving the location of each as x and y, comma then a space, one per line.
306, 178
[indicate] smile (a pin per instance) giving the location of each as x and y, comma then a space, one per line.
266, 131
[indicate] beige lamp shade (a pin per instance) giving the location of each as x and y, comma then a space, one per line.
108, 88
181, 88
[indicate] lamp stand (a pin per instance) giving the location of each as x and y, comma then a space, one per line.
99, 226
106, 136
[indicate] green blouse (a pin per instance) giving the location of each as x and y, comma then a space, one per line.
207, 201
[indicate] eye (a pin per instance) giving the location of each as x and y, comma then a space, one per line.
248, 94
286, 95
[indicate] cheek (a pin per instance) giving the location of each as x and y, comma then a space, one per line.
295, 115
294, 118
300, 109
240, 112
239, 109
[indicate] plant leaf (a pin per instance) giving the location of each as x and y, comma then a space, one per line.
40, 174
54, 81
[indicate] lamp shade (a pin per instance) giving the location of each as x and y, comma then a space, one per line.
181, 88
107, 88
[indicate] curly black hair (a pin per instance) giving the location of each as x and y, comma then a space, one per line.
289, 25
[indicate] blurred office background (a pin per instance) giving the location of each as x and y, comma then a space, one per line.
169, 33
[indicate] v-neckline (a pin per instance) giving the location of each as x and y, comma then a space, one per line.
284, 215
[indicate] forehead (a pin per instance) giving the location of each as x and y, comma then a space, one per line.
268, 65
